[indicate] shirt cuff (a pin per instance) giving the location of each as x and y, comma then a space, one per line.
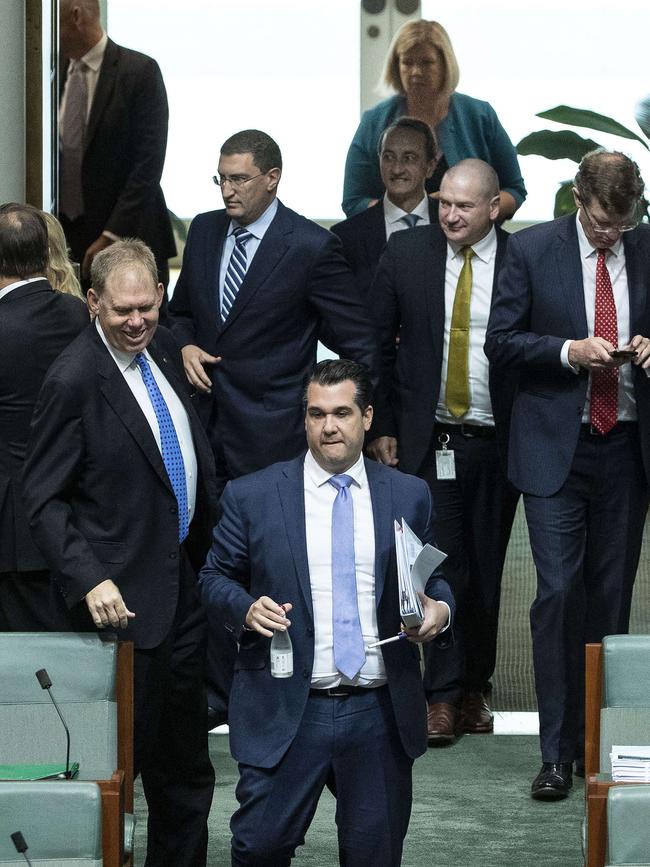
564, 357
110, 235
448, 623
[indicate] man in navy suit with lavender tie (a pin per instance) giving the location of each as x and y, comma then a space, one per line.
308, 545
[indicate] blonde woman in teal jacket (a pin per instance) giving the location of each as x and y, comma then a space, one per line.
422, 67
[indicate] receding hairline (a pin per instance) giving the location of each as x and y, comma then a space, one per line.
478, 170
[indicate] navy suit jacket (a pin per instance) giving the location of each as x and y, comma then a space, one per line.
259, 548
36, 325
99, 499
297, 282
538, 305
408, 298
124, 155
364, 240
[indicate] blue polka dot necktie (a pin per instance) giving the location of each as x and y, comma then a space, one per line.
349, 652
169, 445
236, 271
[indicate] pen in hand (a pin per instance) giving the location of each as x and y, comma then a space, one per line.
387, 640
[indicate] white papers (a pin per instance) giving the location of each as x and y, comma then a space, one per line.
630, 764
415, 563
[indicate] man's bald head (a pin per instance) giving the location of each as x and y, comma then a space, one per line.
478, 173
469, 201
79, 27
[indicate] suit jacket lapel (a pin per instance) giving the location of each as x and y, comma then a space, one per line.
291, 489
635, 283
569, 272
104, 89
126, 407
382, 513
272, 248
433, 286
375, 236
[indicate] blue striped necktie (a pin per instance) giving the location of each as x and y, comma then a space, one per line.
169, 445
349, 652
236, 271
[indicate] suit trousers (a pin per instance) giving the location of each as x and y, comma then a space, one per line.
351, 744
586, 542
473, 516
171, 741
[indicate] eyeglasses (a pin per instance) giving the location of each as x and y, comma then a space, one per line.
599, 229
235, 181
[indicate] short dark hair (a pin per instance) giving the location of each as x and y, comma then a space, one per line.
333, 371
125, 253
412, 124
23, 241
265, 152
612, 178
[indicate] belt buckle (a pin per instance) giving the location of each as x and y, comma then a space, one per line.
335, 692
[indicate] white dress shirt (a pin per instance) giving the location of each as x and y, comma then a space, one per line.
615, 264
319, 499
133, 378
257, 229
393, 215
480, 409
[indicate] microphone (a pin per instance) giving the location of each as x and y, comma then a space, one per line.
21, 847
44, 679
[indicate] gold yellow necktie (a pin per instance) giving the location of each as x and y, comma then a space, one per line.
457, 392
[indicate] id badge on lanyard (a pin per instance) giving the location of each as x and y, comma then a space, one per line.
445, 462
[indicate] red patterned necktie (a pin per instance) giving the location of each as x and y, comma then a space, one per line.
604, 383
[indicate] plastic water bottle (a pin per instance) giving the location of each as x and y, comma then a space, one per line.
281, 654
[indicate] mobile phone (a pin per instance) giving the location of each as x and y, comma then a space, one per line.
623, 353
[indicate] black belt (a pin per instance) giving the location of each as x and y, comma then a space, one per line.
466, 430
588, 431
343, 690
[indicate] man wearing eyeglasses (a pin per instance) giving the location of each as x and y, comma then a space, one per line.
570, 314
258, 284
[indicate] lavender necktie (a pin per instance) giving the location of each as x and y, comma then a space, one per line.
349, 652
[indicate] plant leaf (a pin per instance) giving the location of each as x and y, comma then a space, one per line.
564, 201
556, 145
590, 119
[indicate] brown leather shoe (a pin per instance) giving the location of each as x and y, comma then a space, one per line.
443, 721
476, 716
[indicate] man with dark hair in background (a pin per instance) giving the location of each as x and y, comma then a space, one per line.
308, 545
120, 491
36, 324
258, 284
407, 158
113, 137
571, 317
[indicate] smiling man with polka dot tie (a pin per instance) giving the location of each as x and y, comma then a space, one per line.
571, 316
121, 493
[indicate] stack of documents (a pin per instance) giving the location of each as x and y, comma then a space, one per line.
630, 764
415, 564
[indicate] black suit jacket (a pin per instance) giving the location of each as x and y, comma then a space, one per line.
408, 297
124, 155
36, 324
297, 281
99, 499
364, 240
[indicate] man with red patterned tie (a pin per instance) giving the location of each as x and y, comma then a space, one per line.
571, 314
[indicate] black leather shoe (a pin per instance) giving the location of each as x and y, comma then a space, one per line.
553, 781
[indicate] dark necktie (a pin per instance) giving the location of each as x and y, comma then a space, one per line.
72, 141
349, 652
604, 383
410, 220
169, 446
236, 271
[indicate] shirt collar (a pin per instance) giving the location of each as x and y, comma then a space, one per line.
485, 249
261, 224
123, 359
586, 247
95, 56
394, 214
319, 477
12, 286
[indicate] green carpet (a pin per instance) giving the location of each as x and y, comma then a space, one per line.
471, 808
